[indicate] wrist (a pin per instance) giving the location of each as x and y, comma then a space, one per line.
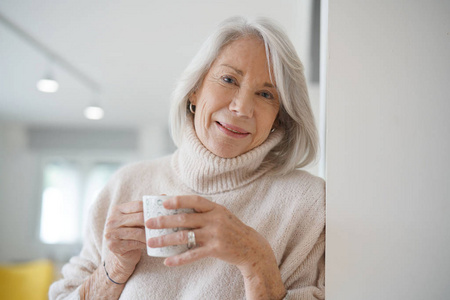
263, 277
259, 263
109, 277
258, 271
116, 273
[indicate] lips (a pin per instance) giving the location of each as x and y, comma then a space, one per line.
233, 129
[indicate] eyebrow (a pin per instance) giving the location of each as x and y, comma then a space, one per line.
236, 70
269, 85
266, 84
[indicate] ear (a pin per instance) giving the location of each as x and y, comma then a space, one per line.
277, 122
193, 98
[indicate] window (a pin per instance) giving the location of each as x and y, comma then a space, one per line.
69, 187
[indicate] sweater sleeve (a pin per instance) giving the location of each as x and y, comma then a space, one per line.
303, 267
308, 280
80, 267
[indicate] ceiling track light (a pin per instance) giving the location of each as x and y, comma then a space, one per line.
48, 84
93, 112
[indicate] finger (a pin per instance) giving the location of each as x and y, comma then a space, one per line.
126, 220
193, 220
127, 233
178, 238
133, 220
123, 246
131, 207
198, 203
186, 257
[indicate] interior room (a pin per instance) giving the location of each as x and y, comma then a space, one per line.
114, 65
86, 87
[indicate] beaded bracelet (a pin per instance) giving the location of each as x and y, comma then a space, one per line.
107, 275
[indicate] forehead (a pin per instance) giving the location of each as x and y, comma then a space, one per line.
247, 54
242, 43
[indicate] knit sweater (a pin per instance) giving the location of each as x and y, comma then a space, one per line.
288, 210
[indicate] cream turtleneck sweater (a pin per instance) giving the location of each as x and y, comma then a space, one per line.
289, 211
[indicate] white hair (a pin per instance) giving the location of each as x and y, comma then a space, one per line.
299, 146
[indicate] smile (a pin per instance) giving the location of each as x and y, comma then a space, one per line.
232, 130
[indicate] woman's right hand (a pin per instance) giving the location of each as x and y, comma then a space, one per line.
125, 237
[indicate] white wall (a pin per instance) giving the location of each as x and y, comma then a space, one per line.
388, 145
17, 170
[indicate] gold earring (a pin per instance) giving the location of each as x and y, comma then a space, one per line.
192, 108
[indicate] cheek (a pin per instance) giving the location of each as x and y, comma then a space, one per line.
268, 119
265, 125
203, 117
201, 113
263, 134
209, 104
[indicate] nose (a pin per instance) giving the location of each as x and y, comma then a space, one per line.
242, 104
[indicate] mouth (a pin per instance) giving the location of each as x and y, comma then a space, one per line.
232, 129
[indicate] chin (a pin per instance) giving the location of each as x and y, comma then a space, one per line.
226, 153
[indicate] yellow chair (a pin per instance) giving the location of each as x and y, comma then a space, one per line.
28, 281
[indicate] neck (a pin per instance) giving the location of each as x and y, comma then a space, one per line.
206, 173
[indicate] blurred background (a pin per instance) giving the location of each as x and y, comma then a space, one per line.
85, 88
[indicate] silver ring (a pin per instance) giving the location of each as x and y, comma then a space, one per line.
191, 240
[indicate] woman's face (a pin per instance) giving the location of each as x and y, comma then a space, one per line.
236, 104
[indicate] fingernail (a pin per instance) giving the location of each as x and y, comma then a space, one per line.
168, 203
167, 262
149, 223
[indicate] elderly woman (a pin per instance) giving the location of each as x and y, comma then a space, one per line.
243, 125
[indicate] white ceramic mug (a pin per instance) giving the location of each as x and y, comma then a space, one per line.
153, 208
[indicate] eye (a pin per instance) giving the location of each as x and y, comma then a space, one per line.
266, 95
229, 79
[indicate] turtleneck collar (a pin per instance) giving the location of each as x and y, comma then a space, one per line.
206, 173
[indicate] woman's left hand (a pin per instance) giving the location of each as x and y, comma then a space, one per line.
218, 233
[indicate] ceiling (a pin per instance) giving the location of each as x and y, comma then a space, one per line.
134, 50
